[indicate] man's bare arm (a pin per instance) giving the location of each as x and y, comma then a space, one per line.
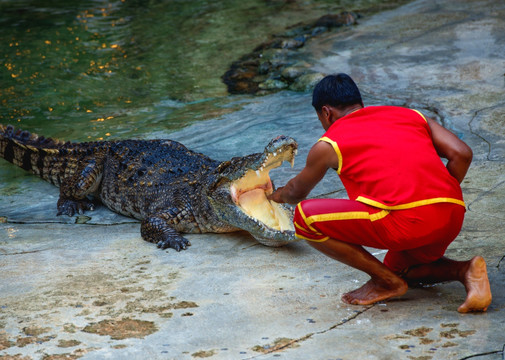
321, 157
450, 147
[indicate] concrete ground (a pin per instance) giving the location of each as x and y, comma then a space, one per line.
90, 287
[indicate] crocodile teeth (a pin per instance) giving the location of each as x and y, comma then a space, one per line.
233, 192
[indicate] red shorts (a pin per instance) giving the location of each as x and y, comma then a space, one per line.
413, 236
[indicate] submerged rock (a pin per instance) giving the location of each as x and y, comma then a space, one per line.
306, 82
293, 71
270, 66
273, 84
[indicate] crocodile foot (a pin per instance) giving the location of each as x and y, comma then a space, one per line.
176, 242
155, 229
70, 207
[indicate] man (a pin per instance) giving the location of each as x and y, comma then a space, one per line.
402, 196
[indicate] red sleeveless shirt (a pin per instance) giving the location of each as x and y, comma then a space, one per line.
387, 159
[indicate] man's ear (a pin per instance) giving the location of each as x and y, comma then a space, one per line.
324, 117
326, 111
330, 114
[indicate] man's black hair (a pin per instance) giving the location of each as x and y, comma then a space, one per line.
336, 90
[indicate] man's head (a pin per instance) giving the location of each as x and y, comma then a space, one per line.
333, 96
338, 90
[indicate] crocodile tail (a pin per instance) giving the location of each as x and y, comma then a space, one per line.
31, 152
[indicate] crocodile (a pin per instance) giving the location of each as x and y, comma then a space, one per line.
168, 187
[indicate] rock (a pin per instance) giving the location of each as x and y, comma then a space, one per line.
293, 43
306, 82
273, 59
273, 84
318, 30
331, 21
292, 72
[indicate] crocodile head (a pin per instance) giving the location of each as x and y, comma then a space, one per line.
239, 193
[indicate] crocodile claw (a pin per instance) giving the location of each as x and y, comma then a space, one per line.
70, 207
156, 230
178, 243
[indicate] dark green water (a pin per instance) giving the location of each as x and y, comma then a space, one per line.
87, 70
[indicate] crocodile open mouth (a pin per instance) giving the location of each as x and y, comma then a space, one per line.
251, 190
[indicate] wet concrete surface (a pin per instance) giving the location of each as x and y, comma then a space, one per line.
90, 287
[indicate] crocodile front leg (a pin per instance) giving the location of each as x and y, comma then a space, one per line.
156, 229
76, 186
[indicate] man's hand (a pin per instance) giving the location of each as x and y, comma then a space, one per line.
321, 157
276, 195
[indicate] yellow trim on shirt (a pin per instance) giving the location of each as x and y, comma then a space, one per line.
420, 114
410, 205
379, 215
309, 239
337, 150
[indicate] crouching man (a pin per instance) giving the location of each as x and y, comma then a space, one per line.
402, 196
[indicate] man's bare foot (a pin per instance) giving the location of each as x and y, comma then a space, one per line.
477, 287
374, 291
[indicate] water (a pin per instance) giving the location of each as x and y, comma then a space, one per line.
112, 69
93, 70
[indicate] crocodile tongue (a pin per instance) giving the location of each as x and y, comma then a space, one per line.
250, 194
255, 204
250, 191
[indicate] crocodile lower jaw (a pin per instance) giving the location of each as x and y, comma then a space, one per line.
255, 204
250, 194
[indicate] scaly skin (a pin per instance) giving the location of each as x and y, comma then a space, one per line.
170, 188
